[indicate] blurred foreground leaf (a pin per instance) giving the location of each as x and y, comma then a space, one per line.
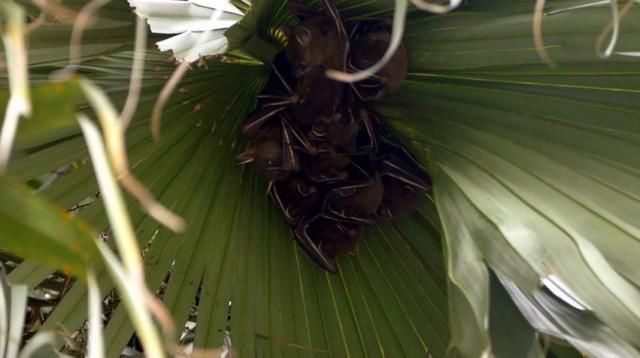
35, 229
13, 304
53, 116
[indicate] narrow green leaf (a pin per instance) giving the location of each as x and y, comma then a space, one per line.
18, 309
5, 309
95, 346
13, 304
468, 278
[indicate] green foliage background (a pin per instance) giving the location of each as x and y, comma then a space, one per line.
536, 174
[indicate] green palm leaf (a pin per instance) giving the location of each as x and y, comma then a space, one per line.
539, 164
535, 170
240, 254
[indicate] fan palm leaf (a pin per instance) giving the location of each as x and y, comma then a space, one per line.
535, 170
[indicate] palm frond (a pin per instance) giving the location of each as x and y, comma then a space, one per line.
536, 169
192, 171
536, 174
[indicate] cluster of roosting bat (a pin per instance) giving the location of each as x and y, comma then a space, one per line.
331, 165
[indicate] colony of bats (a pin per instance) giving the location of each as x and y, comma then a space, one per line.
331, 165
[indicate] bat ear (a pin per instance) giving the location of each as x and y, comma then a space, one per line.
301, 11
302, 35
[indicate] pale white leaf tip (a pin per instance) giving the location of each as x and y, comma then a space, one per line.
563, 292
198, 26
628, 53
436, 8
19, 104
